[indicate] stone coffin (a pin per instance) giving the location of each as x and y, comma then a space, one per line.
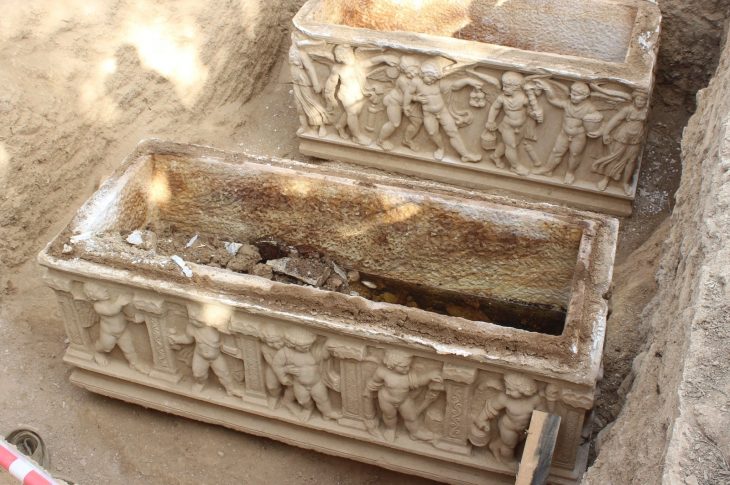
400, 387
544, 98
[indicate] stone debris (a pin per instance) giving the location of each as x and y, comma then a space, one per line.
192, 241
142, 239
310, 271
183, 266
232, 247
244, 259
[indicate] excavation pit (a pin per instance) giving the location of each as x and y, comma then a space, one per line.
237, 349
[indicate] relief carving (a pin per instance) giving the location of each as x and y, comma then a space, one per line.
397, 389
623, 134
113, 326
532, 123
302, 365
207, 352
502, 422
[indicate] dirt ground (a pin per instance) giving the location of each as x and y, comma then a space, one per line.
80, 87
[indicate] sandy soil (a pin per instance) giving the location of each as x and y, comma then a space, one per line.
81, 86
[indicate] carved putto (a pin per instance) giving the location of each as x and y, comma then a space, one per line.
301, 365
502, 422
113, 326
207, 352
396, 387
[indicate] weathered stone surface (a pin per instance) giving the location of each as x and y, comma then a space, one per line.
545, 99
306, 360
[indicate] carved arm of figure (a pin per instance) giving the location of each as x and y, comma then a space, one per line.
535, 109
421, 379
184, 339
491, 409
613, 123
408, 98
493, 113
552, 97
388, 59
375, 383
330, 87
280, 368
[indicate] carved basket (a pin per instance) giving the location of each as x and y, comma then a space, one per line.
404, 388
556, 91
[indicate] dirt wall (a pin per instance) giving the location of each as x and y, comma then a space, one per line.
692, 31
129, 69
673, 428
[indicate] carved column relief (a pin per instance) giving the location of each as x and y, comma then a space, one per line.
78, 316
572, 407
153, 310
351, 354
247, 331
458, 382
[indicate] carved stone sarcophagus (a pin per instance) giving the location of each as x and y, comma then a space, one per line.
471, 311
545, 98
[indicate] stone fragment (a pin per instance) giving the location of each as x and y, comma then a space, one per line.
309, 271
142, 239
245, 259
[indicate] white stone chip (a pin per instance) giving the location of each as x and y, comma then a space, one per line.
183, 266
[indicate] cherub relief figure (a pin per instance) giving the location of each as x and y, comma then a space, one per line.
299, 364
346, 83
113, 326
581, 120
518, 102
394, 382
408, 68
306, 87
273, 341
207, 353
512, 408
428, 90
623, 134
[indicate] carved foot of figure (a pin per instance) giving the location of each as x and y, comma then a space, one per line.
363, 140
343, 134
272, 402
628, 189
439, 154
301, 130
520, 170
234, 391
322, 131
101, 359
389, 435
304, 414
198, 386
471, 158
544, 171
386, 145
497, 161
602, 184
412, 145
422, 435
373, 429
569, 178
140, 367
334, 415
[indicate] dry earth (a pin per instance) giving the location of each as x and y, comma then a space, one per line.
84, 80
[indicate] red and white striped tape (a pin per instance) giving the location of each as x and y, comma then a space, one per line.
21, 467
